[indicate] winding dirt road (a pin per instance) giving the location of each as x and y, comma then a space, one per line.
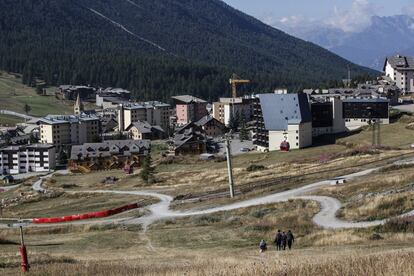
326, 218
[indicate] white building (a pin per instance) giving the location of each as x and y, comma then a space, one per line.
29, 158
401, 70
282, 118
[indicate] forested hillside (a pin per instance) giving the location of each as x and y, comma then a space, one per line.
156, 48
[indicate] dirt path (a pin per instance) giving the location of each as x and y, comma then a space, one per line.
326, 218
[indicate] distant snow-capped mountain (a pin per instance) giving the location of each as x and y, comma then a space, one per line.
369, 47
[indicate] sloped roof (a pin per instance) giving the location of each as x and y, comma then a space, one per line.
188, 99
400, 62
189, 136
279, 110
144, 127
106, 148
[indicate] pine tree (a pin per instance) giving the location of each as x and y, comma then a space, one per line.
234, 121
63, 157
244, 133
147, 172
27, 109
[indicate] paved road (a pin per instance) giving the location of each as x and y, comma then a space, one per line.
13, 113
8, 188
405, 108
37, 186
326, 218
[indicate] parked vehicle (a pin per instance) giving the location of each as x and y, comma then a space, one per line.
244, 150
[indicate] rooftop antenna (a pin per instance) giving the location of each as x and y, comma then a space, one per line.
349, 76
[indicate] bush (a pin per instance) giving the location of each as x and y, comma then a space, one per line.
394, 204
4, 241
404, 224
260, 227
260, 213
254, 168
376, 237
205, 220
396, 167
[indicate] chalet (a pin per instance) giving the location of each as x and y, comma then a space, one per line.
211, 126
114, 154
142, 130
189, 139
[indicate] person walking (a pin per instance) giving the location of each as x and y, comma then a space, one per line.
278, 240
290, 239
262, 246
284, 239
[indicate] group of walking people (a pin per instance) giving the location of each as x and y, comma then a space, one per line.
282, 240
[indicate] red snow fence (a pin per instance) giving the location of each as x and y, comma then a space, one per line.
93, 215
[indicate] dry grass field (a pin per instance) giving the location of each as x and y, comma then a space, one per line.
388, 264
226, 243
387, 193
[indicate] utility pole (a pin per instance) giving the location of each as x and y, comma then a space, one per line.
229, 165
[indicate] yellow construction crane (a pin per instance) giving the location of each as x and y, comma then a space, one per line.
234, 81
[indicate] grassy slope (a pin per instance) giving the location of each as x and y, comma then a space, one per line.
14, 95
229, 239
393, 135
7, 120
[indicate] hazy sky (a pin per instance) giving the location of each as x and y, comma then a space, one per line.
345, 14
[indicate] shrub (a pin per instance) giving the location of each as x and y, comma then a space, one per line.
376, 237
4, 241
395, 204
260, 227
260, 213
396, 167
254, 168
205, 220
403, 224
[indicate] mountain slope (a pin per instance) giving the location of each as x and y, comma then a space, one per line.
369, 47
156, 48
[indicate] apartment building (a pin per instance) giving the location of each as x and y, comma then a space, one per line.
189, 109
362, 112
401, 70
327, 116
71, 92
282, 118
225, 108
112, 97
63, 130
28, 158
154, 113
